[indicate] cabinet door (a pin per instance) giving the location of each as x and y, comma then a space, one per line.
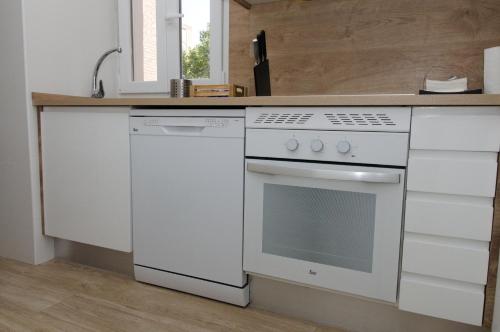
86, 175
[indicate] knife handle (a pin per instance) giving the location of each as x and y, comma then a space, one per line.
259, 43
255, 48
264, 47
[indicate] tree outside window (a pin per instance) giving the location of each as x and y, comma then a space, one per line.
196, 60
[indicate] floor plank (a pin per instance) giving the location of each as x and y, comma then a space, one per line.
63, 296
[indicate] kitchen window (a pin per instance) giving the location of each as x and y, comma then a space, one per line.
165, 39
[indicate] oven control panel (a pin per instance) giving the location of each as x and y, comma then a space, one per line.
336, 146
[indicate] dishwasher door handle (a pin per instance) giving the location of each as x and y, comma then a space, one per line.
327, 174
188, 130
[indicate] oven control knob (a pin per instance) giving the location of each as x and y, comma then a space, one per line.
343, 147
292, 144
317, 145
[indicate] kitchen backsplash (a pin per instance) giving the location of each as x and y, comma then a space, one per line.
363, 46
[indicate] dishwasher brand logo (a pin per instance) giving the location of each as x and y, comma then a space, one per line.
312, 272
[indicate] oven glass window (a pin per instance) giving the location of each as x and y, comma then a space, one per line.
317, 225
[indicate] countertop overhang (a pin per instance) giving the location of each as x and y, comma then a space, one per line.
47, 99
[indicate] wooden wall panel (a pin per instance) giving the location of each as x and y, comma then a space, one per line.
364, 46
489, 300
240, 38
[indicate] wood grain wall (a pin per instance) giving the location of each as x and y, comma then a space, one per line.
364, 46
491, 285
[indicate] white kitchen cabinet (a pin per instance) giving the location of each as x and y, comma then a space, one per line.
452, 171
455, 259
463, 217
86, 175
461, 302
456, 128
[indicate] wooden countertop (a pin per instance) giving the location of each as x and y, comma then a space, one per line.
45, 99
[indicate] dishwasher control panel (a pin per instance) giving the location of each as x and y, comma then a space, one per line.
208, 122
216, 122
188, 126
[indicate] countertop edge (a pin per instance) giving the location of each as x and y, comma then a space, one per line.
48, 99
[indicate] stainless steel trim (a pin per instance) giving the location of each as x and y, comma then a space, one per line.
180, 88
98, 89
326, 174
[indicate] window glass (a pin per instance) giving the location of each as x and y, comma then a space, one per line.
144, 41
165, 39
195, 38
330, 227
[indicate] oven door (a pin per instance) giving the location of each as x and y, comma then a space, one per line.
331, 226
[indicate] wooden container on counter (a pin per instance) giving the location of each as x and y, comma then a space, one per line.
218, 90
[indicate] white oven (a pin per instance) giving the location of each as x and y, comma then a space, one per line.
324, 207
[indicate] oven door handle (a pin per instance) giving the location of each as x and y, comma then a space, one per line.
327, 174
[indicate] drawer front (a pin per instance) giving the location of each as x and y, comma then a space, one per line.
447, 215
456, 173
441, 298
456, 128
455, 259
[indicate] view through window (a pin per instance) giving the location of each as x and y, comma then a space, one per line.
195, 39
166, 39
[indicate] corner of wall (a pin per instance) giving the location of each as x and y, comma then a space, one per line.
43, 246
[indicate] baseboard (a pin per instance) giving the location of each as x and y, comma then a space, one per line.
239, 296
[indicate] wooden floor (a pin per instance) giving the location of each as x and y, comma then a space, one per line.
62, 296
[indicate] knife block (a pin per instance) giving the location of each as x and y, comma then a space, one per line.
262, 79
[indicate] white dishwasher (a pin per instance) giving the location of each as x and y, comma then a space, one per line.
187, 203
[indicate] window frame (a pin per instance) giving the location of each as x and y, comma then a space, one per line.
169, 56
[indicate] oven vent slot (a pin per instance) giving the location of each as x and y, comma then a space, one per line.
283, 118
360, 119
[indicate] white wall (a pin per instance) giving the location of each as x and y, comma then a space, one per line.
16, 231
47, 46
64, 39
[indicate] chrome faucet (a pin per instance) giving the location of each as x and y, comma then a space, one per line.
98, 91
